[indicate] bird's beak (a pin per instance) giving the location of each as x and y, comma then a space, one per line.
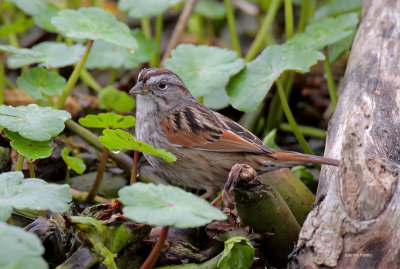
139, 88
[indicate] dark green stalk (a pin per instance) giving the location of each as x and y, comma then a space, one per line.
2, 80
155, 253
99, 176
146, 29
291, 120
155, 60
304, 14
31, 170
288, 19
67, 175
9, 84
73, 78
305, 130
329, 80
88, 79
230, 16
266, 24
20, 162
113, 76
134, 167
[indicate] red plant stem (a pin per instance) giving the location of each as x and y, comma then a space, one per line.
99, 176
216, 200
153, 257
134, 167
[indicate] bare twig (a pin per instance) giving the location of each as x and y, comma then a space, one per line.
179, 29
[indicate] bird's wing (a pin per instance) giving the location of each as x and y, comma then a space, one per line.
200, 128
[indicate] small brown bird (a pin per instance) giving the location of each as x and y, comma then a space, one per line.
205, 143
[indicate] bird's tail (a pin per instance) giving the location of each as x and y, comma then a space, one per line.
300, 158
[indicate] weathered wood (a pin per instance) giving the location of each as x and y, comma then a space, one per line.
356, 219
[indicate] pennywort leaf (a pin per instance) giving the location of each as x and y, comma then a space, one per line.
96, 24
40, 83
33, 122
204, 68
337, 7
73, 163
145, 8
31, 193
238, 253
107, 121
162, 205
20, 249
112, 99
121, 140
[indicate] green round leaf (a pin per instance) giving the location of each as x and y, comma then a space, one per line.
33, 122
43, 19
118, 101
48, 54
31, 193
121, 140
73, 163
96, 24
39, 83
337, 7
105, 55
145, 8
20, 249
204, 68
30, 7
217, 99
107, 120
18, 26
161, 205
210, 9
303, 173
28, 148
248, 89
238, 253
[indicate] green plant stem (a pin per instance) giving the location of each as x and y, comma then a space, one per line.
305, 130
155, 59
153, 257
73, 78
20, 162
266, 24
123, 160
288, 19
329, 80
134, 167
78, 195
2, 76
31, 170
113, 76
196, 25
146, 27
230, 16
67, 175
12, 37
291, 120
304, 13
88, 79
99, 176
9, 84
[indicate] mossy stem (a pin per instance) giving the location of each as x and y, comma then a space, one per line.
134, 167
31, 170
155, 253
73, 78
20, 162
99, 176
329, 80
230, 16
291, 120
266, 24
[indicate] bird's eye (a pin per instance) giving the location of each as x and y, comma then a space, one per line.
162, 85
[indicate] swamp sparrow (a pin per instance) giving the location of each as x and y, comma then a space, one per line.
205, 143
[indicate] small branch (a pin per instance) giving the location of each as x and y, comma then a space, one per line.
134, 167
99, 176
78, 195
232, 29
291, 120
288, 19
153, 257
20, 162
259, 40
329, 80
73, 78
179, 28
31, 170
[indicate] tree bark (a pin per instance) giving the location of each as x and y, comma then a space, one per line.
355, 220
